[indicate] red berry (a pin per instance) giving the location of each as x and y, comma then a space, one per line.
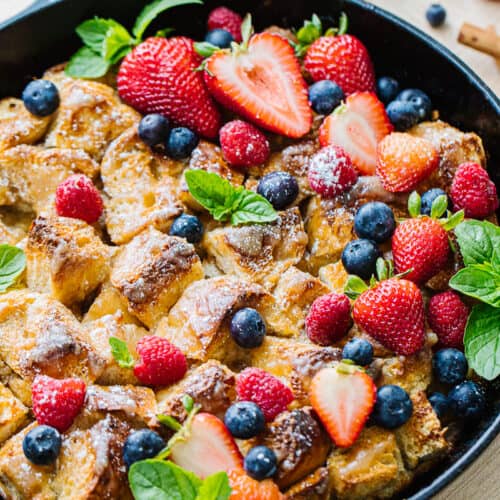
447, 316
331, 172
329, 319
473, 191
226, 19
56, 402
77, 197
243, 145
265, 390
161, 363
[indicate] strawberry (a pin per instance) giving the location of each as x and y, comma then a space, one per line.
262, 81
343, 397
392, 312
243, 487
404, 160
208, 447
357, 126
159, 76
225, 19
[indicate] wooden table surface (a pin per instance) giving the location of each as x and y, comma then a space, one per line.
480, 481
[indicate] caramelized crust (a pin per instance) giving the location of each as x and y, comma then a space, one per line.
13, 414
316, 486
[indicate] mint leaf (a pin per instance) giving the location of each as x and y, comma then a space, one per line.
120, 352
158, 480
480, 281
482, 341
93, 32
116, 44
215, 487
253, 208
12, 264
86, 64
476, 240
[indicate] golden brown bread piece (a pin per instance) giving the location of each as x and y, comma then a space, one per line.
316, 486
13, 414
334, 276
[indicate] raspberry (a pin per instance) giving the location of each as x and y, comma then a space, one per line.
329, 319
243, 145
265, 390
331, 172
162, 363
447, 316
473, 191
226, 19
77, 197
57, 402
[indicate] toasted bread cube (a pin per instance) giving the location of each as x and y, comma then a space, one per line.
13, 414
65, 259
152, 271
334, 276
10, 235
316, 486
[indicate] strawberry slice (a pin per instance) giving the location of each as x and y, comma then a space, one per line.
209, 447
343, 397
357, 127
263, 83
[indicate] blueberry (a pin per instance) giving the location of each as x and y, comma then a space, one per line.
420, 99
450, 366
41, 97
279, 188
248, 328
42, 444
140, 445
244, 420
374, 221
403, 114
387, 89
360, 351
181, 142
393, 407
467, 400
440, 404
325, 96
360, 256
220, 38
435, 14
428, 198
187, 226
261, 463
154, 129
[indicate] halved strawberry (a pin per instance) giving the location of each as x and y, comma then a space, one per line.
357, 126
209, 447
343, 397
263, 83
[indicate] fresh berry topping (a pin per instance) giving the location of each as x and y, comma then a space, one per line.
357, 127
329, 319
419, 99
244, 420
181, 142
359, 351
325, 96
248, 328
226, 19
265, 390
219, 38
447, 316
387, 89
450, 366
161, 363
243, 145
343, 400
403, 115
374, 221
467, 400
393, 407
140, 445
404, 160
208, 448
261, 463
428, 199
243, 487
154, 129
41, 97
359, 257
42, 445
473, 191
263, 83
187, 226
343, 59
77, 197
279, 188
158, 77
393, 313
435, 15
440, 404
331, 172
56, 402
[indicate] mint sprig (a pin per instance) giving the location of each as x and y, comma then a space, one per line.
120, 352
12, 264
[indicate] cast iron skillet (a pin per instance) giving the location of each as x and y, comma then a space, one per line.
43, 36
